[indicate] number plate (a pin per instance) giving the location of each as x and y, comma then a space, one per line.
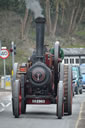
38, 101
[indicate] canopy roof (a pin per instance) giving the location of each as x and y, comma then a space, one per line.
74, 51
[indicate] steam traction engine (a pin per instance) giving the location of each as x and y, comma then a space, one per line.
43, 80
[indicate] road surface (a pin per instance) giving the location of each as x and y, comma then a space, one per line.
41, 116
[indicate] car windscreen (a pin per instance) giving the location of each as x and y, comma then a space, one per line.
82, 69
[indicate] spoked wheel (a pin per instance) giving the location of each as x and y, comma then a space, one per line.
16, 100
68, 89
60, 103
56, 66
23, 103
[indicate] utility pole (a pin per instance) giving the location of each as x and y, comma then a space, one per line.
13, 52
4, 67
4, 62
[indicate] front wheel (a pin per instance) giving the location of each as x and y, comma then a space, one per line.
16, 99
60, 104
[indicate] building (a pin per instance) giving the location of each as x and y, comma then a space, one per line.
74, 56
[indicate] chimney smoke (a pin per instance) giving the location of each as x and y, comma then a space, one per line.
35, 7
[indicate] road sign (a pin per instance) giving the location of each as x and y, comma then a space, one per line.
4, 53
7, 82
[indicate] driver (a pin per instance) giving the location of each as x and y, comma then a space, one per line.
60, 51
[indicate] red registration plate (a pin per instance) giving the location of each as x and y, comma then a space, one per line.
38, 101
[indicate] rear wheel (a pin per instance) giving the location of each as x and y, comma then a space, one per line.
16, 100
60, 100
68, 89
56, 66
61, 72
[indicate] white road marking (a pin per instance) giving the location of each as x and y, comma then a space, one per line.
79, 117
8, 105
3, 102
2, 110
82, 119
4, 106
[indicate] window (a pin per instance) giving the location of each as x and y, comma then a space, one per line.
65, 61
77, 61
82, 60
71, 61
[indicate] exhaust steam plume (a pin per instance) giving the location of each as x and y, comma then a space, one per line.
35, 7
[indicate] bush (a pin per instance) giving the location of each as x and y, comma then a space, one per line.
14, 5
80, 34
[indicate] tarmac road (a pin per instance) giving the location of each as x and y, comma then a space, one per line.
39, 116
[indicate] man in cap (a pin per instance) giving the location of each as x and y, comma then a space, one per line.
60, 51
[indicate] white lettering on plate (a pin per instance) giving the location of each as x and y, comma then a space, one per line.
38, 101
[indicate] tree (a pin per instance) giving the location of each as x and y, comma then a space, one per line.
76, 15
23, 23
48, 16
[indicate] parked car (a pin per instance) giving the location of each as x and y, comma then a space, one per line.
77, 80
82, 69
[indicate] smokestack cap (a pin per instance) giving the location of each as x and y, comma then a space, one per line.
40, 20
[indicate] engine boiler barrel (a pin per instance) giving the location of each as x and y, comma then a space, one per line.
40, 28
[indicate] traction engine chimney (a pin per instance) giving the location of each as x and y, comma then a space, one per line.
40, 28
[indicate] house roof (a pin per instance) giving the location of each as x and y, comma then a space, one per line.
74, 51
